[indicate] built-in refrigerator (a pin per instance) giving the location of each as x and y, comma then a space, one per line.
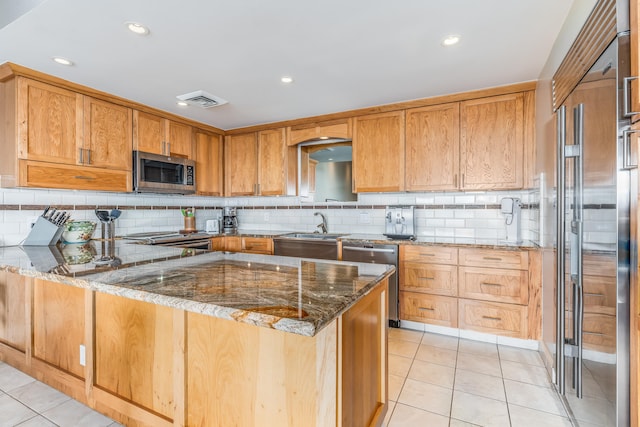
588, 344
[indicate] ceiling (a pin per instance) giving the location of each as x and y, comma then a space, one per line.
342, 55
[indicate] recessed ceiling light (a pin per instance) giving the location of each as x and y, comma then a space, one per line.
286, 79
136, 27
182, 103
450, 40
62, 61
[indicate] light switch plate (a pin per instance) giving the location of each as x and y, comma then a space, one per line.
365, 218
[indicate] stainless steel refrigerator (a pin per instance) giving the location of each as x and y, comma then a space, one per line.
589, 344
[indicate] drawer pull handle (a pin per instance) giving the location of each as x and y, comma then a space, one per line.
491, 284
426, 308
84, 177
423, 254
589, 294
426, 278
492, 318
598, 334
492, 258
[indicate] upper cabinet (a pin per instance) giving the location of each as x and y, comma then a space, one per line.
209, 177
341, 129
155, 134
378, 152
107, 135
260, 164
432, 150
492, 143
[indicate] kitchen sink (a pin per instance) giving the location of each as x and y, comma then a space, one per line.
314, 236
307, 245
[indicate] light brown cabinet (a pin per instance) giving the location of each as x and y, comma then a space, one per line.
341, 128
13, 320
433, 148
378, 152
254, 245
107, 135
155, 134
492, 143
260, 164
209, 160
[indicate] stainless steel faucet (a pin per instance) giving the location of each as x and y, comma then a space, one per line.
323, 225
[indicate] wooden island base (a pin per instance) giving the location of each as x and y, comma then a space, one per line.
147, 364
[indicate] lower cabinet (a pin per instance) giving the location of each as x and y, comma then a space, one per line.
13, 309
493, 291
252, 245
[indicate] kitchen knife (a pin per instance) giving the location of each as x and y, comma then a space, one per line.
44, 214
51, 213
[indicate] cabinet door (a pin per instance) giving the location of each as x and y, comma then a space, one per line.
378, 152
272, 163
233, 244
208, 164
432, 148
13, 319
179, 140
59, 325
491, 143
240, 165
107, 135
49, 123
148, 133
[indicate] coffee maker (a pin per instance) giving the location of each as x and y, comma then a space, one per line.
229, 220
400, 222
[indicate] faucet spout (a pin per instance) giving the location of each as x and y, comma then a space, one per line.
323, 225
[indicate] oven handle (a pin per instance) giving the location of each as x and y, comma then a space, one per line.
197, 244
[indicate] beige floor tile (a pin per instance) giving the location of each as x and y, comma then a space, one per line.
525, 417
114, 424
599, 412
479, 384
442, 341
440, 356
403, 348
426, 396
405, 334
532, 396
404, 416
395, 386
515, 354
484, 365
479, 410
459, 423
11, 378
476, 347
387, 417
431, 373
13, 412
74, 414
38, 421
399, 365
38, 396
524, 373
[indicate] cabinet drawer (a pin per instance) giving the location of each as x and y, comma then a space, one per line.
494, 318
257, 245
437, 310
493, 258
430, 278
430, 254
599, 294
491, 284
50, 175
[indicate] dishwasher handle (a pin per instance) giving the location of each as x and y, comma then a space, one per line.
357, 248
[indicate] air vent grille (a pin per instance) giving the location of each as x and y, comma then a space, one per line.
202, 99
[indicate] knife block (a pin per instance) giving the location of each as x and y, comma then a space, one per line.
43, 233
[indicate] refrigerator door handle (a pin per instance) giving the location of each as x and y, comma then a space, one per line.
561, 137
626, 150
626, 91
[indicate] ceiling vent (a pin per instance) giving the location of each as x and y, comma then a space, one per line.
201, 99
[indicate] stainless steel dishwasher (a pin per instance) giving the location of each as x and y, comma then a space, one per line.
378, 254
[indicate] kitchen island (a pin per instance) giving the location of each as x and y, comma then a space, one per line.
168, 336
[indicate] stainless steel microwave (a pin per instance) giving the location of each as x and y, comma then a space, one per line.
154, 173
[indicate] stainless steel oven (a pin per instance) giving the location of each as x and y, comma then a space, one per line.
154, 173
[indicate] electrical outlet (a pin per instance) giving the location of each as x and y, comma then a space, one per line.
83, 355
266, 217
365, 218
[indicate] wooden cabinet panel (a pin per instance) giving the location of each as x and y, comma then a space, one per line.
491, 284
438, 310
13, 319
179, 139
378, 152
49, 123
209, 176
257, 245
148, 133
59, 325
430, 278
241, 164
217, 244
233, 244
430, 254
600, 295
134, 351
107, 135
432, 148
325, 130
51, 175
493, 318
494, 258
491, 142
272, 179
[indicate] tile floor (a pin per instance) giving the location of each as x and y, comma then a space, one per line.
438, 380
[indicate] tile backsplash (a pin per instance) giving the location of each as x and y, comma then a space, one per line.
473, 215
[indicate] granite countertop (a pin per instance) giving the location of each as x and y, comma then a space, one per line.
449, 241
295, 295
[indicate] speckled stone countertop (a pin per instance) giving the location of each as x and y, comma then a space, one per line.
449, 241
290, 294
